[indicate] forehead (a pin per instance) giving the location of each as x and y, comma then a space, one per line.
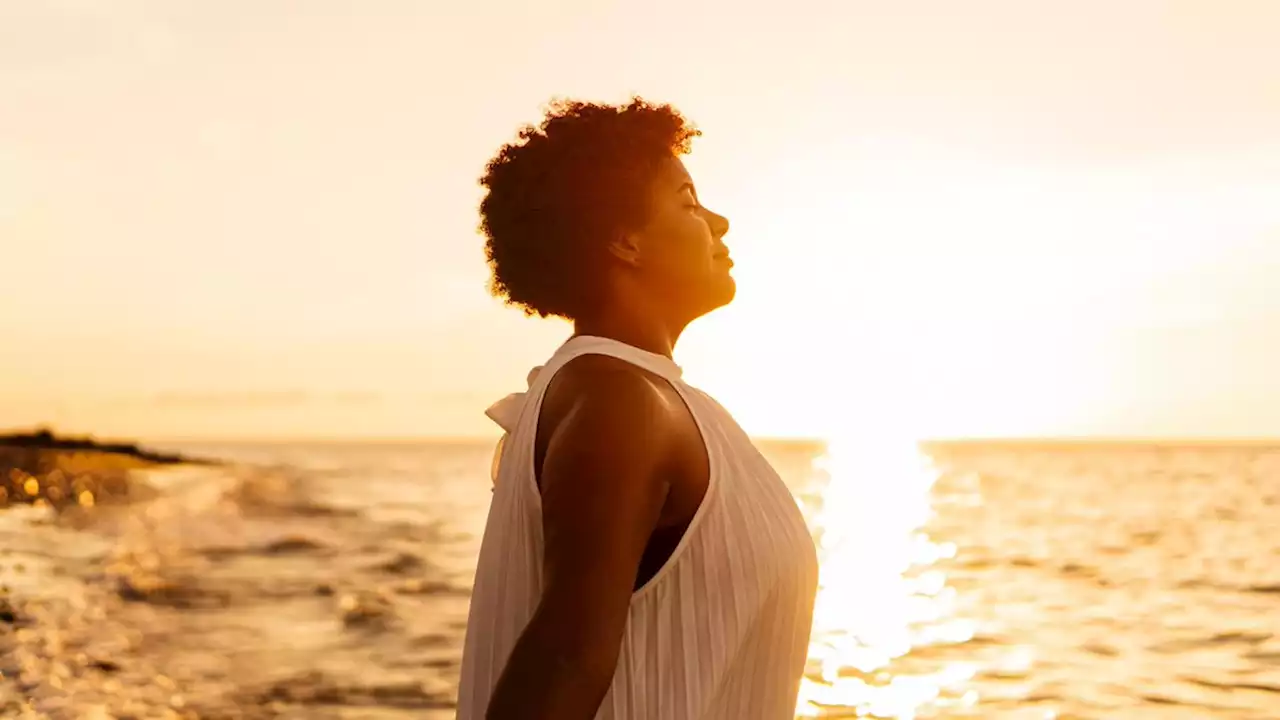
671, 174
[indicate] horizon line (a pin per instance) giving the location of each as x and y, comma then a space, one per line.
960, 440
941, 441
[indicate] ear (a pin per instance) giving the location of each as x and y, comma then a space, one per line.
626, 247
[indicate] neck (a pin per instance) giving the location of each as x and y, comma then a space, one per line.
638, 329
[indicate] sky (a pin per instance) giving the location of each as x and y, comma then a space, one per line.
252, 219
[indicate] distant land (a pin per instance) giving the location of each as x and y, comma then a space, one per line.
44, 439
41, 467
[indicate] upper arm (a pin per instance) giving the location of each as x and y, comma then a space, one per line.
602, 493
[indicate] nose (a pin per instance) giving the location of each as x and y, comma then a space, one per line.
719, 224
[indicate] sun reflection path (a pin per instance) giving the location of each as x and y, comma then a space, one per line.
882, 601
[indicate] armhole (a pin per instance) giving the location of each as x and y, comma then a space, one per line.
712, 482
530, 479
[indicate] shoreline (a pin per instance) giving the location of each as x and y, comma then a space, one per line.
109, 611
67, 639
70, 645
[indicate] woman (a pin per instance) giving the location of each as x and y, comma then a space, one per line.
641, 559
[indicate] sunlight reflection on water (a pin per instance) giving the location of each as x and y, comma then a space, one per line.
881, 595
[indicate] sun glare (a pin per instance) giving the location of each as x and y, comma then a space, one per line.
880, 595
1017, 304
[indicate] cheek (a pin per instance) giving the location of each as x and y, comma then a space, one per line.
690, 265
691, 243
681, 247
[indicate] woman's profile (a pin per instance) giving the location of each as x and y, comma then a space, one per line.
640, 559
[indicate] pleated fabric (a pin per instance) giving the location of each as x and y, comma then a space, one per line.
721, 632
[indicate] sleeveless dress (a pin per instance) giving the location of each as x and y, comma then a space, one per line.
721, 631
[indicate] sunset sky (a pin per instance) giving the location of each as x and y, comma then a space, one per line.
242, 219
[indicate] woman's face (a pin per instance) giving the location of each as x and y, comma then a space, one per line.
682, 258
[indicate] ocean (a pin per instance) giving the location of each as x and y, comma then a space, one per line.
331, 581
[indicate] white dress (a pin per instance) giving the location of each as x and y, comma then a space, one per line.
720, 632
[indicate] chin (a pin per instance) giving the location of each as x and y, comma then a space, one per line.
731, 290
723, 293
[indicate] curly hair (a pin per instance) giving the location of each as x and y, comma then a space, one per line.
563, 189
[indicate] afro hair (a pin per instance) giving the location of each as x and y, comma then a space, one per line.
559, 192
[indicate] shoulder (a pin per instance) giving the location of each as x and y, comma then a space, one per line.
595, 378
608, 403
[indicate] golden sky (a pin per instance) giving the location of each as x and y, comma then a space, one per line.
257, 218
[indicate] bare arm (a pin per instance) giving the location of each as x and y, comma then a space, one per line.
602, 494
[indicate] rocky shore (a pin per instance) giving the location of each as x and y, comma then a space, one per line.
41, 468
